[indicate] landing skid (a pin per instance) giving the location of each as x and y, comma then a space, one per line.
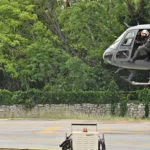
134, 82
131, 76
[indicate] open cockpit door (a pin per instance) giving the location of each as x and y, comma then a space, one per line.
126, 46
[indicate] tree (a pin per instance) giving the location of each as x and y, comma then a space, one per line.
138, 12
89, 26
44, 43
20, 27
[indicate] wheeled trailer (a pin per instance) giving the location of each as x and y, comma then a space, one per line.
84, 138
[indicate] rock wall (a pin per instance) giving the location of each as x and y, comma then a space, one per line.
133, 110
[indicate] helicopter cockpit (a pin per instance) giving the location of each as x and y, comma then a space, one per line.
126, 46
123, 48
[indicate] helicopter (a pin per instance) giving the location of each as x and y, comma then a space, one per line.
122, 50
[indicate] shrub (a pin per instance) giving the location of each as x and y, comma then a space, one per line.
144, 97
6, 97
27, 98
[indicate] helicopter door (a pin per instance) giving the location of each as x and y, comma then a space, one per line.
126, 46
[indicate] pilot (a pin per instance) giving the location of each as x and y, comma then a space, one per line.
141, 38
143, 50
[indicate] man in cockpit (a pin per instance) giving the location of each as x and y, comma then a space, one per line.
141, 38
143, 50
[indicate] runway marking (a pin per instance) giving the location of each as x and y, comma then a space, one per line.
124, 131
111, 130
27, 139
50, 130
129, 143
105, 128
52, 140
6, 148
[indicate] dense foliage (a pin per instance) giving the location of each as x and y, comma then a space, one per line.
55, 46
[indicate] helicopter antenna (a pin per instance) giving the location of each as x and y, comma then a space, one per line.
137, 21
126, 25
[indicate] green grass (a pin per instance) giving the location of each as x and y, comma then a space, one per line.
61, 114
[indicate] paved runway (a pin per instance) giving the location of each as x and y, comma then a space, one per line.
48, 134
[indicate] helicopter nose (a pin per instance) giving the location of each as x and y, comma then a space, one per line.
107, 56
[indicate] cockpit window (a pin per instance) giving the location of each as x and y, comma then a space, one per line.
128, 39
120, 37
126, 45
130, 35
117, 41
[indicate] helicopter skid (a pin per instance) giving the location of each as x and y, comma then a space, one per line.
134, 82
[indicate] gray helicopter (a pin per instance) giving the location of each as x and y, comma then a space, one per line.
122, 50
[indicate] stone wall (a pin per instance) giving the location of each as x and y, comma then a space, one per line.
133, 110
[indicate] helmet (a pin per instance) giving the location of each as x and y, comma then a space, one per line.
145, 31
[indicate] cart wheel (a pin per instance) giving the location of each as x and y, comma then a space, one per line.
70, 148
101, 144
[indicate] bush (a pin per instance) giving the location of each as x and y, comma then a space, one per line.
71, 97
27, 98
6, 97
32, 97
144, 97
123, 106
76, 97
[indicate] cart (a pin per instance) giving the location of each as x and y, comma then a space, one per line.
83, 138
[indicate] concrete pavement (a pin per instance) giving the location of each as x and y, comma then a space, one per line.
48, 134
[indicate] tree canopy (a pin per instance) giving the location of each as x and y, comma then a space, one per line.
57, 44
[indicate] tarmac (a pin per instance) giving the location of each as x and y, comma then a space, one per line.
48, 134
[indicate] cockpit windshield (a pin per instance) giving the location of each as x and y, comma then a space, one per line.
117, 41
119, 38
